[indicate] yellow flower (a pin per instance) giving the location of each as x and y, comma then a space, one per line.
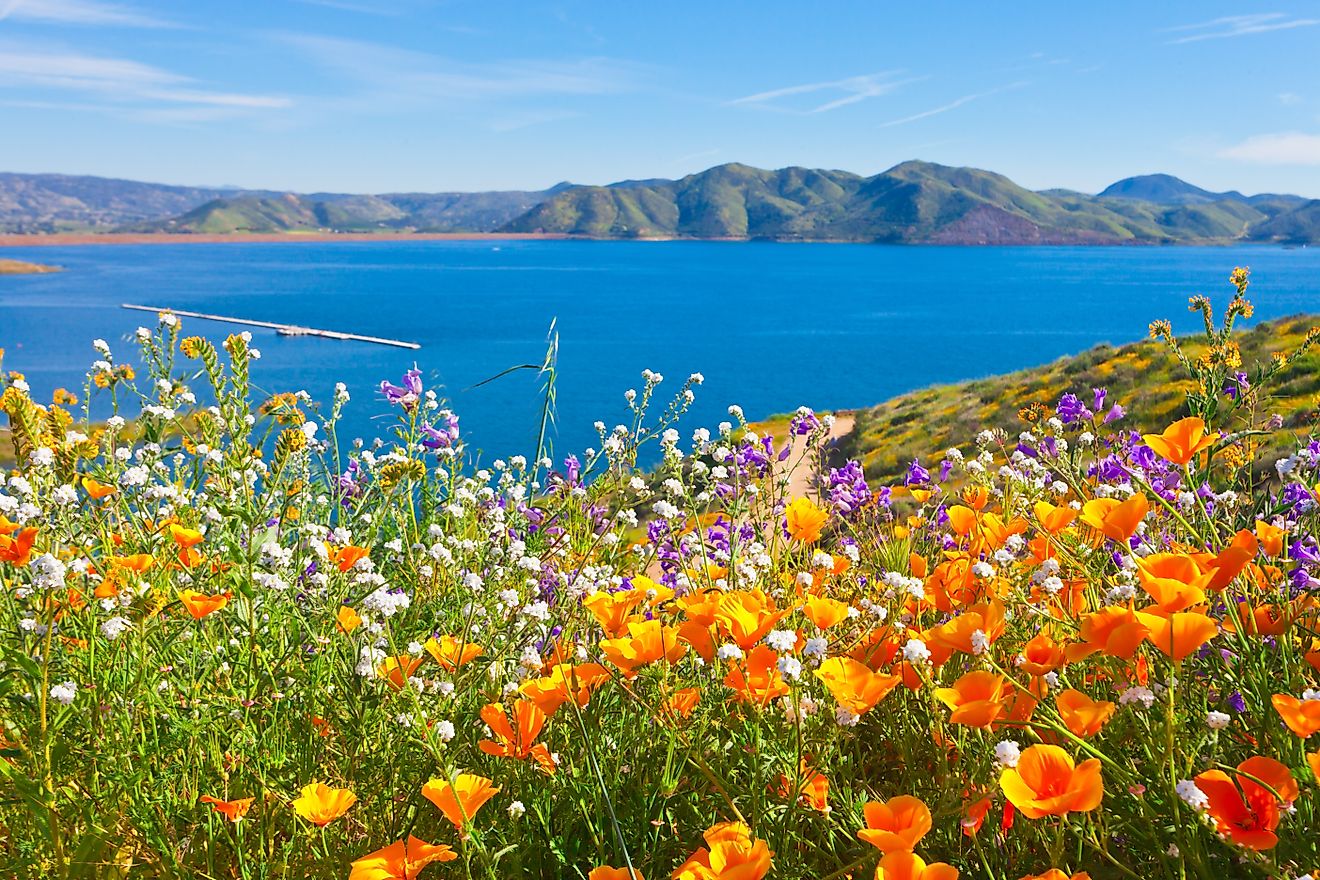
320, 804
805, 520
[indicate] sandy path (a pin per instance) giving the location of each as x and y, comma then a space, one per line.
800, 477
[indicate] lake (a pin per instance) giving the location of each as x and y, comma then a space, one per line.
770, 326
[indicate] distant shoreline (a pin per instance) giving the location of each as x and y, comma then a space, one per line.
80, 238
19, 267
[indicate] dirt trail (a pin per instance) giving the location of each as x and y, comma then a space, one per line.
801, 474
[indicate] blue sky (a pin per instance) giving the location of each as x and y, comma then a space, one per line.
391, 95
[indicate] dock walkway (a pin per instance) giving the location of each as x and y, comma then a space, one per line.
282, 329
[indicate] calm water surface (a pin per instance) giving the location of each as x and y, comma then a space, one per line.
771, 326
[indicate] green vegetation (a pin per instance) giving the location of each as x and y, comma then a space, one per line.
916, 202
1144, 376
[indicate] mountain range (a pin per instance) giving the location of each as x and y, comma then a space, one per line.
913, 202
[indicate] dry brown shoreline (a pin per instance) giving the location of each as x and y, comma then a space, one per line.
80, 238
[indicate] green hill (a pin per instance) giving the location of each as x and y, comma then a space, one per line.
911, 202
1144, 377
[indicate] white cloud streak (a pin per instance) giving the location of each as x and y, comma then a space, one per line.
1238, 26
123, 86
1281, 148
855, 89
952, 105
78, 12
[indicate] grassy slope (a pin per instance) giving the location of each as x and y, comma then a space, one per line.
1142, 376
18, 267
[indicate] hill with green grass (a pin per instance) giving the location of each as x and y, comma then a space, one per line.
914, 202
1144, 377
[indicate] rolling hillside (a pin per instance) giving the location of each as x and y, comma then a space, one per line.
1142, 376
913, 202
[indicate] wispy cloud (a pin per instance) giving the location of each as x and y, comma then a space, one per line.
1281, 148
123, 86
952, 105
1238, 26
404, 74
84, 12
854, 89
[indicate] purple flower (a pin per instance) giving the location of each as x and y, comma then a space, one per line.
441, 436
1099, 400
1115, 413
405, 395
916, 474
1237, 385
1070, 409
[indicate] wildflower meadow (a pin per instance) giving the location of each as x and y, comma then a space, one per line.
235, 644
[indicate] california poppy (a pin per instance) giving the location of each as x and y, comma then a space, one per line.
895, 825
461, 799
1117, 521
1042, 655
565, 682
907, 866
731, 853
804, 520
397, 670
320, 804
452, 653
746, 616
231, 810
1173, 580
1056, 874
96, 491
825, 612
400, 861
1270, 537
1113, 630
612, 610
1082, 715
200, 605
756, 679
1053, 519
1046, 782
346, 557
185, 538
18, 550
812, 787
1181, 441
1244, 810
1178, 635
607, 873
648, 641
682, 702
517, 742
853, 685
977, 699
1301, 716
347, 619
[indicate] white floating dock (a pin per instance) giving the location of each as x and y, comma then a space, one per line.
282, 329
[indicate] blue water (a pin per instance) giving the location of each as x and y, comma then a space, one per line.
771, 326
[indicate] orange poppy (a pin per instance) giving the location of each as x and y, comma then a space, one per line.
804, 520
1082, 715
1301, 716
612, 610
1116, 520
756, 679
400, 861
1053, 519
1046, 782
977, 699
853, 685
812, 788
895, 825
1112, 630
96, 491
1056, 874
1244, 810
346, 557
1230, 561
1270, 537
1178, 635
683, 701
347, 619
746, 616
1313, 759
960, 633
18, 550
397, 670
200, 605
1181, 441
519, 743
461, 799
320, 804
907, 866
185, 538
731, 853
231, 810
1042, 655
648, 641
452, 653
607, 873
565, 682
825, 612
1173, 580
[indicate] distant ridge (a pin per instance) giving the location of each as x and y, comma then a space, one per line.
913, 202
